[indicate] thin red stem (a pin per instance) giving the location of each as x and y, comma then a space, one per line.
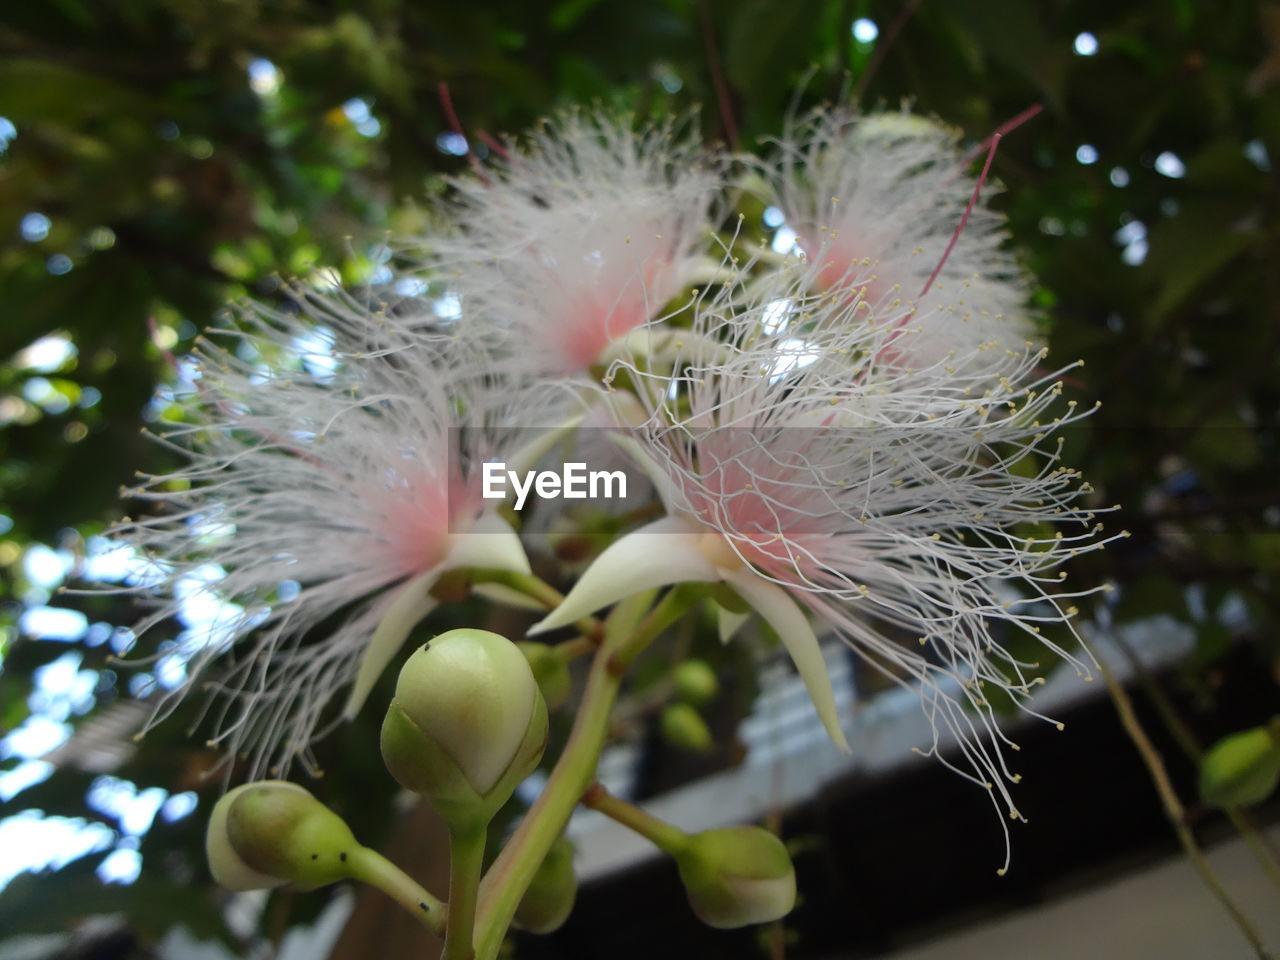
991, 144
717, 76
973, 199
1007, 127
451, 116
491, 142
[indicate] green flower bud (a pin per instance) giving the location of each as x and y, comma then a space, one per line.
467, 724
271, 833
695, 682
682, 727
550, 670
549, 900
1242, 769
737, 876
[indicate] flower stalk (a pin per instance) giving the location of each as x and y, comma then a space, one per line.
466, 862
512, 872
670, 840
371, 867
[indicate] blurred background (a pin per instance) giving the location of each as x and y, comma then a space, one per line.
159, 158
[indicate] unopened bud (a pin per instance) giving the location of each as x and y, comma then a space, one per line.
682, 727
467, 724
271, 833
1242, 769
737, 876
549, 900
550, 670
695, 682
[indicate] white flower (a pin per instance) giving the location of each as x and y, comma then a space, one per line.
875, 201
326, 490
808, 474
575, 239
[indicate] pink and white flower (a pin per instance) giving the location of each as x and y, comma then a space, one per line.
326, 490
576, 238
874, 202
885, 501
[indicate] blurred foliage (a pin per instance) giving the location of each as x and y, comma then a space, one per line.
161, 157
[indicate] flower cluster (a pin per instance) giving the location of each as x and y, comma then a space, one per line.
855, 437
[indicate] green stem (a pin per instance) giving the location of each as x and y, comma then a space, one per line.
672, 606
373, 868
670, 840
509, 877
513, 871
466, 862
541, 591
1263, 852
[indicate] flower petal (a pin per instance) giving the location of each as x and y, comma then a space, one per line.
527, 456
785, 616
729, 622
412, 602
489, 543
659, 477
660, 553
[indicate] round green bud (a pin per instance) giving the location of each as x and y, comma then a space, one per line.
1242, 769
737, 876
549, 900
467, 724
550, 670
695, 682
271, 833
682, 727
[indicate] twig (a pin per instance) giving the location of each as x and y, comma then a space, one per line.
451, 116
1174, 810
1258, 842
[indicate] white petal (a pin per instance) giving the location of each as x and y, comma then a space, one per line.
660, 479
489, 543
413, 601
730, 622
527, 457
660, 553
785, 616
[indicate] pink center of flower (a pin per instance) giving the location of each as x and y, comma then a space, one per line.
840, 265
613, 292
597, 320
415, 512
764, 501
